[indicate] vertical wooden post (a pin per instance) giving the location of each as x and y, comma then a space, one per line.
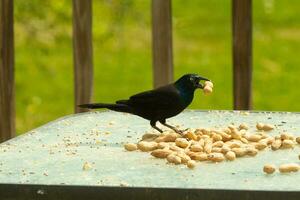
83, 52
7, 98
162, 42
242, 53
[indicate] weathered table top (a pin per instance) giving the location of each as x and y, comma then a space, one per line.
53, 155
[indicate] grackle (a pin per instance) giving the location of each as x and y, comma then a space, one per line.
158, 104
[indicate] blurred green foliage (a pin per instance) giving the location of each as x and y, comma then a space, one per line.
122, 53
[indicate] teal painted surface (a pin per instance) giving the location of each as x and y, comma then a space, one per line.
56, 152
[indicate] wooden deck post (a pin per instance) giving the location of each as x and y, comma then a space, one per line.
162, 42
83, 52
242, 53
7, 98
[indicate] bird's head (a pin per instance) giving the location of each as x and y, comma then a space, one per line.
190, 81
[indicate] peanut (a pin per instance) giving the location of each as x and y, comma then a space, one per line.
182, 142
269, 140
263, 135
277, 137
225, 149
184, 158
216, 150
207, 90
291, 167
204, 137
201, 156
231, 127
269, 169
239, 152
243, 132
236, 134
225, 136
170, 137
230, 155
198, 131
243, 126
161, 153
208, 146
216, 137
208, 83
162, 145
191, 164
176, 148
250, 151
218, 144
264, 127
287, 144
260, 145
196, 148
202, 142
268, 127
149, 137
254, 138
276, 144
234, 144
227, 130
206, 131
259, 126
244, 140
147, 146
298, 140
172, 158
130, 146
216, 157
286, 136
190, 135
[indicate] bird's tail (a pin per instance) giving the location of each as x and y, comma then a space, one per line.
115, 107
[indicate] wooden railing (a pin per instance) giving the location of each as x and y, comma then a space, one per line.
7, 94
162, 55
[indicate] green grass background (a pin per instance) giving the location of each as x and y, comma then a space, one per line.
122, 53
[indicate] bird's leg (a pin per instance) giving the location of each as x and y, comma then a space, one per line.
158, 129
163, 122
153, 124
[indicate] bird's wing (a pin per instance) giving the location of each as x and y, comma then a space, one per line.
158, 98
122, 102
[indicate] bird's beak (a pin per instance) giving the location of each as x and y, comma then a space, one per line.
199, 85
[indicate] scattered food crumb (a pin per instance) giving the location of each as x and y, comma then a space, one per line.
98, 141
124, 184
86, 166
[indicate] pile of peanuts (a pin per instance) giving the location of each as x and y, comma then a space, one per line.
214, 145
208, 87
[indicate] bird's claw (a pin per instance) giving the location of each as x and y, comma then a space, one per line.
181, 132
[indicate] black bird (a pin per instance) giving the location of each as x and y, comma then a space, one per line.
158, 104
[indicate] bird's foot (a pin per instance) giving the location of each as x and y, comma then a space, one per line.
181, 132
